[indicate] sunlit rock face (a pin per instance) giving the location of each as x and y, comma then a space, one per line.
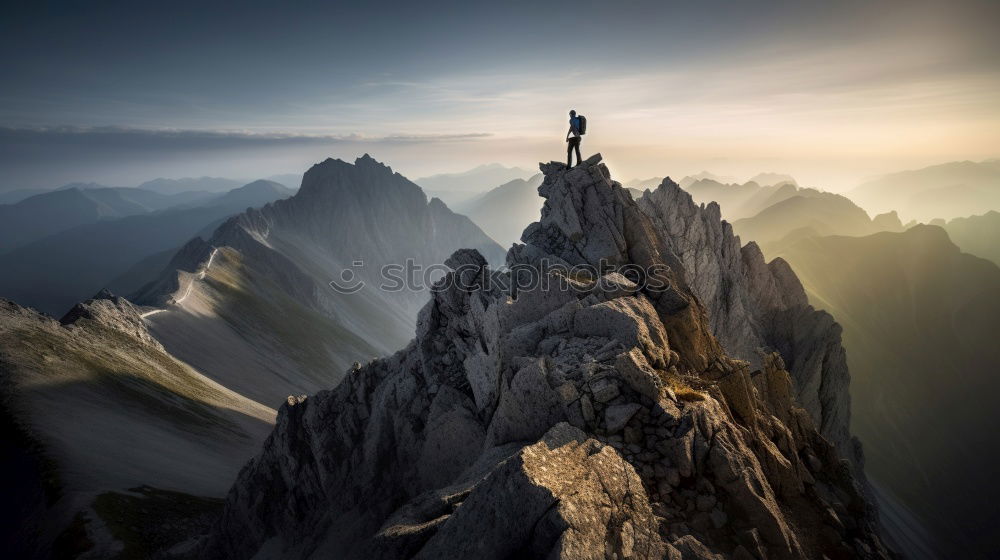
755, 305
599, 416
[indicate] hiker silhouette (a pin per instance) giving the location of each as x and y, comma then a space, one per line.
577, 128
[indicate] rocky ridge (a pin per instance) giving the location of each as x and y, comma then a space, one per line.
596, 417
756, 306
253, 308
92, 404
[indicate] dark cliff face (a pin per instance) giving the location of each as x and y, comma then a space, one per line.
592, 418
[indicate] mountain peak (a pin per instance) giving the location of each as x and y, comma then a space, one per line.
590, 221
365, 177
600, 420
367, 160
112, 312
255, 188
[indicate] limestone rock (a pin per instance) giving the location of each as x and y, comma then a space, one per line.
754, 305
538, 512
616, 416
417, 456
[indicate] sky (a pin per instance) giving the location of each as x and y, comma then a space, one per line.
831, 92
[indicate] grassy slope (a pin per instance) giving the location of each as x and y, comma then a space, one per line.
113, 411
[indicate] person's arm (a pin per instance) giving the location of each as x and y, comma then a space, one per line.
570, 131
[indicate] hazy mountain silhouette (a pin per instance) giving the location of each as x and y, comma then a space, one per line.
920, 322
457, 188
53, 273
806, 215
742, 200
977, 235
174, 186
703, 175
768, 179
776, 213
505, 211
949, 190
290, 180
17, 195
65, 208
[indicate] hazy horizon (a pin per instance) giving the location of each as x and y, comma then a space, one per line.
832, 95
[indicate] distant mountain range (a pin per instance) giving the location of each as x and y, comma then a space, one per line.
51, 212
53, 272
769, 179
892, 292
697, 177
163, 186
744, 200
174, 186
643, 184
760, 179
457, 188
977, 235
505, 211
811, 213
950, 190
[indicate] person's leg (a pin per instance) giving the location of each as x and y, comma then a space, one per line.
576, 145
569, 153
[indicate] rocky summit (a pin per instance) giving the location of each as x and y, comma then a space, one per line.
609, 412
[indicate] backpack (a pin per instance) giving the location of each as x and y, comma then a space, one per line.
583, 124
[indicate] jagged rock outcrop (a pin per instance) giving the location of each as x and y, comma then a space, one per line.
112, 312
590, 413
755, 305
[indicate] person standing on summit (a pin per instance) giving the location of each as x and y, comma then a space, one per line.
577, 128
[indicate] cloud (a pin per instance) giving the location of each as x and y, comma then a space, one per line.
139, 139
49, 156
